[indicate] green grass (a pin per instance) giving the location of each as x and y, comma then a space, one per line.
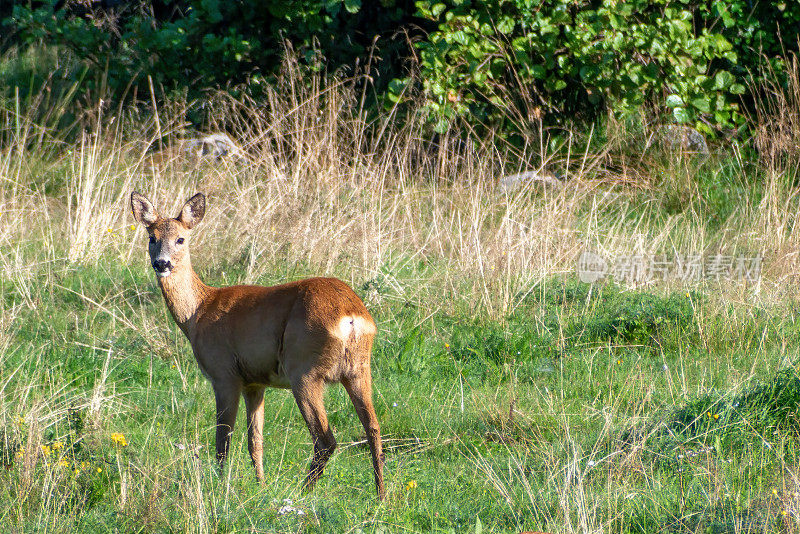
484, 420
511, 396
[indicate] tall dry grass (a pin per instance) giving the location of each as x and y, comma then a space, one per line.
330, 191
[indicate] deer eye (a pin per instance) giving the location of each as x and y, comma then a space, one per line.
179, 241
152, 239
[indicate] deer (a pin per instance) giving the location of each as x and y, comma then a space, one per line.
301, 335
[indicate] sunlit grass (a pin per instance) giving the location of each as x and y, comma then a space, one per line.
512, 397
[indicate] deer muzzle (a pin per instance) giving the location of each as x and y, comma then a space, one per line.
162, 267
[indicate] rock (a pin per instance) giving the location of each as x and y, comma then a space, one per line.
216, 146
195, 151
684, 138
512, 182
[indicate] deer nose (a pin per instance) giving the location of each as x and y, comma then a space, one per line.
162, 265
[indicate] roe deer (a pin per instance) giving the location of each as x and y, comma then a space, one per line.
301, 335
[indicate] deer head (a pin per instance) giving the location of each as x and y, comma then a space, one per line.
169, 238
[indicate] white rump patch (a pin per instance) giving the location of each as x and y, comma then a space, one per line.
354, 325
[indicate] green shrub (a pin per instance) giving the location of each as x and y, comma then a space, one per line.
501, 64
506, 63
192, 45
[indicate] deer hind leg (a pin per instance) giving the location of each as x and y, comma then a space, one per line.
227, 399
254, 402
308, 394
360, 390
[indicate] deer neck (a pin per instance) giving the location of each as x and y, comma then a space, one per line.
184, 294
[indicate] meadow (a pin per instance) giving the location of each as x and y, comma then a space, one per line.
512, 396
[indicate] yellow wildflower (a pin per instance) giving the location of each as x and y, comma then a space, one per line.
119, 439
63, 463
716, 416
20, 453
411, 485
133, 227
57, 445
109, 230
99, 470
447, 345
46, 450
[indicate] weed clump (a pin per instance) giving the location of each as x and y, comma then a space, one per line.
718, 424
633, 318
755, 415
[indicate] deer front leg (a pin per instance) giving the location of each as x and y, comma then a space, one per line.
227, 398
254, 402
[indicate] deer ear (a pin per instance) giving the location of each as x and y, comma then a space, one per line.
193, 211
143, 210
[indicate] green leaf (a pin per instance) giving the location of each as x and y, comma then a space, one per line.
506, 25
436, 88
737, 89
674, 101
731, 56
352, 6
478, 525
701, 103
396, 89
723, 45
538, 72
460, 37
442, 125
705, 129
681, 115
722, 117
520, 44
723, 80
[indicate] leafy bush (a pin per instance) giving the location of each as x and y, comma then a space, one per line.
193, 45
504, 62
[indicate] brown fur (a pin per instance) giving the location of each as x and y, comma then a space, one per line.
300, 335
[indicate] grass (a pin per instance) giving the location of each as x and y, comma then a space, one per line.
511, 395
